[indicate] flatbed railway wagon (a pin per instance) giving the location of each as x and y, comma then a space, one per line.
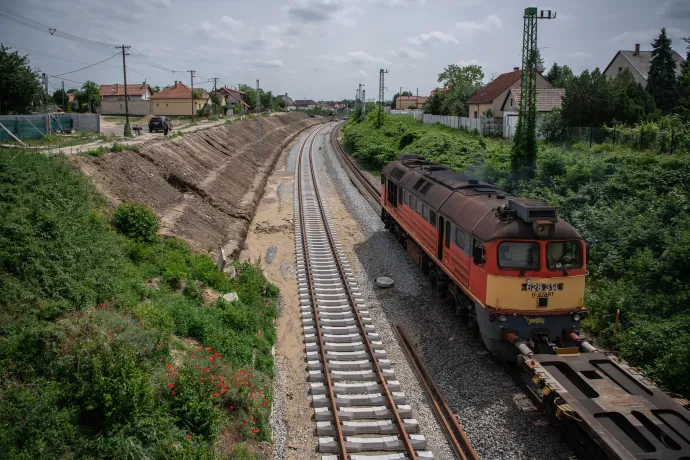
517, 272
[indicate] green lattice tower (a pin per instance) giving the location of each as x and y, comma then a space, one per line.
382, 72
525, 146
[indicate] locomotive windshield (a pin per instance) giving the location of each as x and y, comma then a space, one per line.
563, 255
512, 254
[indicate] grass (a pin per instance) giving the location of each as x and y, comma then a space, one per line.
118, 347
630, 205
116, 147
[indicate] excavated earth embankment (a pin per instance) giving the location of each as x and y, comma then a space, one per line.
204, 186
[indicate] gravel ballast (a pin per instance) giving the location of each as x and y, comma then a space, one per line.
489, 405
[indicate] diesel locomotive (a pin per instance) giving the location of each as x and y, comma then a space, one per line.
511, 266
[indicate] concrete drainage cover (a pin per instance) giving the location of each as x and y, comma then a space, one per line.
384, 282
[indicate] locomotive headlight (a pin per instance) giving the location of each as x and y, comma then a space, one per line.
501, 318
543, 229
576, 317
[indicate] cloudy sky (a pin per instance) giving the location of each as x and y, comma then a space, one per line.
322, 49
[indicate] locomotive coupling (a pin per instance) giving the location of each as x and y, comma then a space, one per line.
585, 345
521, 345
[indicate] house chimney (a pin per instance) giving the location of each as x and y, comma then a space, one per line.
285, 95
637, 49
516, 68
117, 87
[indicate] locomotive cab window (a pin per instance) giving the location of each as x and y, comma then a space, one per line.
460, 238
513, 254
562, 255
432, 217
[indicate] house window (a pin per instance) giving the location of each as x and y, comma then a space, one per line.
157, 105
475, 114
620, 69
511, 101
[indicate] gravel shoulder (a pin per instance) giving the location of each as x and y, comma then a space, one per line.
499, 420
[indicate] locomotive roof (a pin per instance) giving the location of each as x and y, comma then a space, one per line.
469, 203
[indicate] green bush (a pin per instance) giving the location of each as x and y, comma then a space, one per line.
136, 221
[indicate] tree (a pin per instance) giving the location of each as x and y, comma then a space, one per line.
396, 95
559, 76
631, 102
59, 96
684, 83
91, 94
155, 89
434, 104
19, 84
459, 84
661, 82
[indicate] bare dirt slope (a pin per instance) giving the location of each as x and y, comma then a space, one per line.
204, 186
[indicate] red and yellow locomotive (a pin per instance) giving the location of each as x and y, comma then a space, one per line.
510, 265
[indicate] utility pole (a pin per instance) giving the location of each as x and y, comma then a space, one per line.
128, 128
64, 109
525, 143
191, 73
364, 102
399, 96
215, 82
258, 124
382, 72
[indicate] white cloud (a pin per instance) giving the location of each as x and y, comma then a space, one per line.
627, 40
360, 57
465, 63
580, 54
488, 24
432, 38
407, 53
313, 12
230, 21
270, 63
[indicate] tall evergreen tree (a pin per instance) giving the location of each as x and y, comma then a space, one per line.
684, 82
662, 83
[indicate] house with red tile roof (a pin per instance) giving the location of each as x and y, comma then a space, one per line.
177, 100
488, 101
405, 102
113, 99
234, 99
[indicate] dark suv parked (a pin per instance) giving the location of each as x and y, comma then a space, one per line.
159, 123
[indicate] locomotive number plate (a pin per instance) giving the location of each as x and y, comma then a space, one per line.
542, 287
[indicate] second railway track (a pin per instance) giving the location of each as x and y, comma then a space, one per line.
360, 410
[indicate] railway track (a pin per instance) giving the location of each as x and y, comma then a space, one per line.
360, 410
454, 433
361, 182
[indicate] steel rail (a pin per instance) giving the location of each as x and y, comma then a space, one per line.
369, 188
454, 433
312, 294
412, 454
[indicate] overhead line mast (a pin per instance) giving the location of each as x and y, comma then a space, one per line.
382, 72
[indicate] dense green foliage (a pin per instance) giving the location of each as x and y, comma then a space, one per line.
631, 206
662, 82
113, 347
136, 221
395, 97
19, 84
684, 84
593, 99
559, 75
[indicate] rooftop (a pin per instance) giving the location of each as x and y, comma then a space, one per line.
642, 61
492, 90
119, 90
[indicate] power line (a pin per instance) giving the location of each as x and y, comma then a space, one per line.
13, 46
67, 79
88, 66
28, 22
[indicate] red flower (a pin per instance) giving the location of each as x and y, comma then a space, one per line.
244, 421
189, 436
173, 392
211, 358
209, 349
170, 385
140, 324
118, 328
193, 356
169, 366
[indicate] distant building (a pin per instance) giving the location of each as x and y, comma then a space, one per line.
234, 100
405, 102
548, 99
638, 62
488, 101
288, 100
113, 99
306, 104
177, 100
